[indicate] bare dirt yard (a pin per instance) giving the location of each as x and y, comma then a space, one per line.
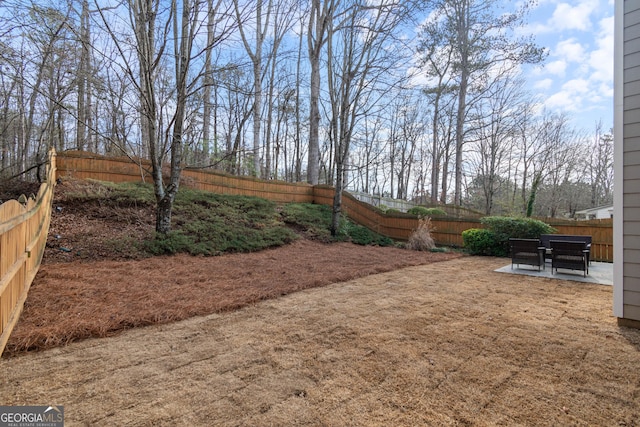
316, 334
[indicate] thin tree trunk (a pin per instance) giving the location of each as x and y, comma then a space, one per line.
319, 20
463, 49
313, 164
82, 79
297, 150
435, 155
208, 83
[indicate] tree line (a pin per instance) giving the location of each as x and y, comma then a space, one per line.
415, 100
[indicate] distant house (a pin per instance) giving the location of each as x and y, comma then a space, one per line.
601, 212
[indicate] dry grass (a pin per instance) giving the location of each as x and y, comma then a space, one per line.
420, 239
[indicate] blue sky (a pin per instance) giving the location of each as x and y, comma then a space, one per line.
577, 77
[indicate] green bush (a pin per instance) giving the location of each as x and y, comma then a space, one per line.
420, 211
170, 243
524, 228
423, 212
436, 212
494, 239
480, 241
521, 228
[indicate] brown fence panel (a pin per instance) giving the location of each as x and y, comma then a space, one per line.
448, 230
395, 226
221, 183
23, 236
83, 165
601, 232
123, 169
323, 195
365, 214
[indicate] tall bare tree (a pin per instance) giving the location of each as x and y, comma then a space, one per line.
556, 163
495, 129
161, 35
437, 61
599, 167
254, 50
47, 50
283, 19
359, 58
482, 37
320, 25
83, 78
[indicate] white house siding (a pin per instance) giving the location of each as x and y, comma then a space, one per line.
603, 212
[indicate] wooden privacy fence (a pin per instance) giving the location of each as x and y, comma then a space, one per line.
84, 165
23, 236
600, 230
448, 231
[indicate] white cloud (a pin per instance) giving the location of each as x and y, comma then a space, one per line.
543, 84
577, 96
570, 17
606, 90
601, 59
563, 100
577, 86
570, 50
556, 68
564, 17
535, 28
578, 75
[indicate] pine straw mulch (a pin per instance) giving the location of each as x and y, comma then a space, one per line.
94, 283
77, 300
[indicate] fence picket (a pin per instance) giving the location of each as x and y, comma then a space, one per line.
23, 235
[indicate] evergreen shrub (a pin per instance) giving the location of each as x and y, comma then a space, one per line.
520, 228
422, 211
479, 241
495, 241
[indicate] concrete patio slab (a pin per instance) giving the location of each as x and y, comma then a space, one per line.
599, 272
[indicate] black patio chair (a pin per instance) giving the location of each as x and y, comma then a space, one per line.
527, 251
569, 255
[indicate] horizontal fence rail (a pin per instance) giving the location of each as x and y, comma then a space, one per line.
397, 225
23, 236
